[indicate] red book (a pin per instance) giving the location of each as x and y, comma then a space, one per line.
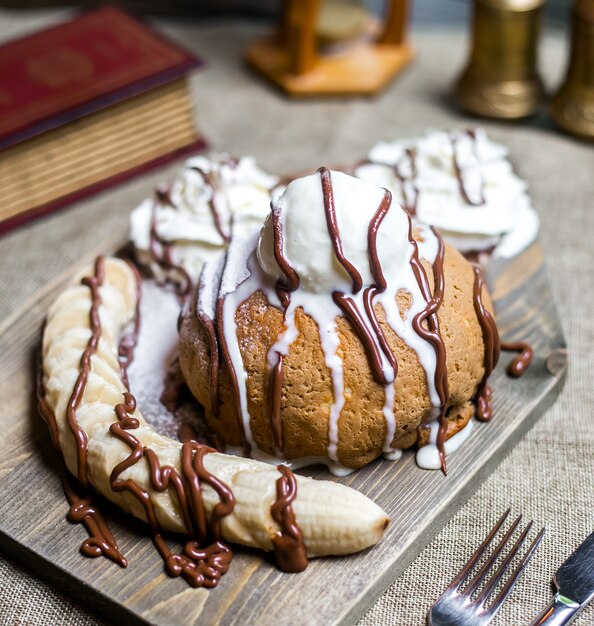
103, 59
76, 68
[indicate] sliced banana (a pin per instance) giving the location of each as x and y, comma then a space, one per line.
333, 518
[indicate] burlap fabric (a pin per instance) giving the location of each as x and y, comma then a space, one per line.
550, 474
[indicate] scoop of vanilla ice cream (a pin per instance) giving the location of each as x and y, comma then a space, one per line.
444, 166
307, 245
211, 199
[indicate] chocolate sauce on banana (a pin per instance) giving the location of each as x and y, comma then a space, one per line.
290, 551
80, 436
519, 364
200, 566
101, 541
484, 410
205, 558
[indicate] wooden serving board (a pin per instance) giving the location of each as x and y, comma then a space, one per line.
33, 526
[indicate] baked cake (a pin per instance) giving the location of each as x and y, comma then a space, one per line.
339, 332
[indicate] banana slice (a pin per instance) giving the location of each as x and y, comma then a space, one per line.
94, 415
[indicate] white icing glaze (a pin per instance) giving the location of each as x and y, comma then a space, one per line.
210, 280
334, 468
236, 287
506, 219
428, 456
393, 455
323, 310
388, 410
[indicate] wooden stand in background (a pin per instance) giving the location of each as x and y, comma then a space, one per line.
290, 58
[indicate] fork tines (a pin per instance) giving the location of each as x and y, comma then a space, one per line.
464, 595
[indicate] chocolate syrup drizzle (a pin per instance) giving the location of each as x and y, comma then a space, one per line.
460, 175
365, 323
210, 180
200, 566
161, 250
426, 325
333, 231
85, 367
284, 287
519, 364
484, 410
291, 555
370, 334
101, 541
411, 155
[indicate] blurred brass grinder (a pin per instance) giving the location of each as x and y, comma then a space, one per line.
501, 79
572, 108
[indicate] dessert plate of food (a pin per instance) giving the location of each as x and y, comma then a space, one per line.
286, 386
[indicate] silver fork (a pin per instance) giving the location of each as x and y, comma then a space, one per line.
457, 608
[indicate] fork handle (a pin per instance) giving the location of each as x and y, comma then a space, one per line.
560, 611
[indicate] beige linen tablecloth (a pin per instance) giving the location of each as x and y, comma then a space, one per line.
549, 476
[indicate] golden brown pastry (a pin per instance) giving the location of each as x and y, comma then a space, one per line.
338, 331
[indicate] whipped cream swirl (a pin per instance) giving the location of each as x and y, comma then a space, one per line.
463, 184
192, 221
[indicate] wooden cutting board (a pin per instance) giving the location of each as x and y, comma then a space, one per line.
34, 530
